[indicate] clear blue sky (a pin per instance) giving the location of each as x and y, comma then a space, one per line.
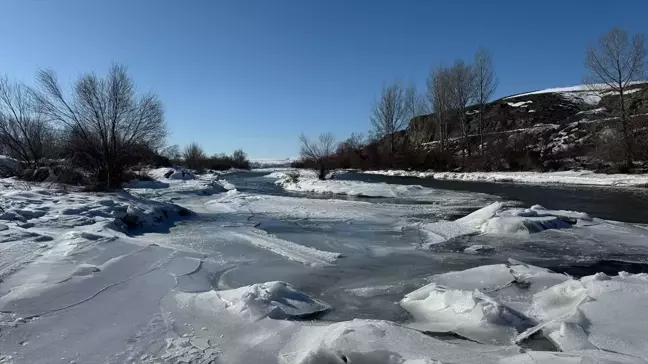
254, 74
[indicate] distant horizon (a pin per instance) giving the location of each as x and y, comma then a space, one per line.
255, 75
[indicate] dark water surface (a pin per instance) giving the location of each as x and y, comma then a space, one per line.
610, 203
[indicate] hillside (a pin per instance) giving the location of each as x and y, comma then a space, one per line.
552, 125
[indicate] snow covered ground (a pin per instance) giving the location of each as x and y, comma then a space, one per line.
566, 177
588, 94
397, 274
306, 181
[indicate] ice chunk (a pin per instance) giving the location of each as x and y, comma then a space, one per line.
442, 231
608, 313
293, 251
85, 269
277, 300
522, 225
479, 249
471, 314
579, 357
375, 342
181, 174
481, 303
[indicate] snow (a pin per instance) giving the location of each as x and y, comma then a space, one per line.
593, 111
565, 177
270, 163
577, 88
261, 278
170, 183
587, 94
306, 181
519, 104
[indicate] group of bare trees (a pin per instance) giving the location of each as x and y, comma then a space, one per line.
450, 92
614, 64
24, 132
101, 126
194, 157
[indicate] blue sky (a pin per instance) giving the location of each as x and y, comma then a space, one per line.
255, 74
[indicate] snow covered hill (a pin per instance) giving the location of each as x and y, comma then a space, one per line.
556, 123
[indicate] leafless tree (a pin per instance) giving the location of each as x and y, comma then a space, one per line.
462, 91
108, 124
389, 115
240, 159
616, 61
319, 152
485, 85
439, 97
194, 156
24, 133
415, 110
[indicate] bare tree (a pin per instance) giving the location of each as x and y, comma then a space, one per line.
319, 152
24, 133
388, 114
415, 110
108, 124
439, 97
240, 159
616, 61
194, 156
485, 85
462, 91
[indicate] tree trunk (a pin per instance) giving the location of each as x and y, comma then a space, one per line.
626, 131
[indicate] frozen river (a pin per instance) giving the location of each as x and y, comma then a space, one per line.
382, 251
361, 269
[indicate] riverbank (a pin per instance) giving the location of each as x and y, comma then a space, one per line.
566, 177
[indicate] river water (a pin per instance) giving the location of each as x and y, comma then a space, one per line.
612, 203
383, 259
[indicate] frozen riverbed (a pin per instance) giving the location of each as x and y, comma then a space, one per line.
327, 272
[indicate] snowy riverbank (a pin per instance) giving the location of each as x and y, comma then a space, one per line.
566, 177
